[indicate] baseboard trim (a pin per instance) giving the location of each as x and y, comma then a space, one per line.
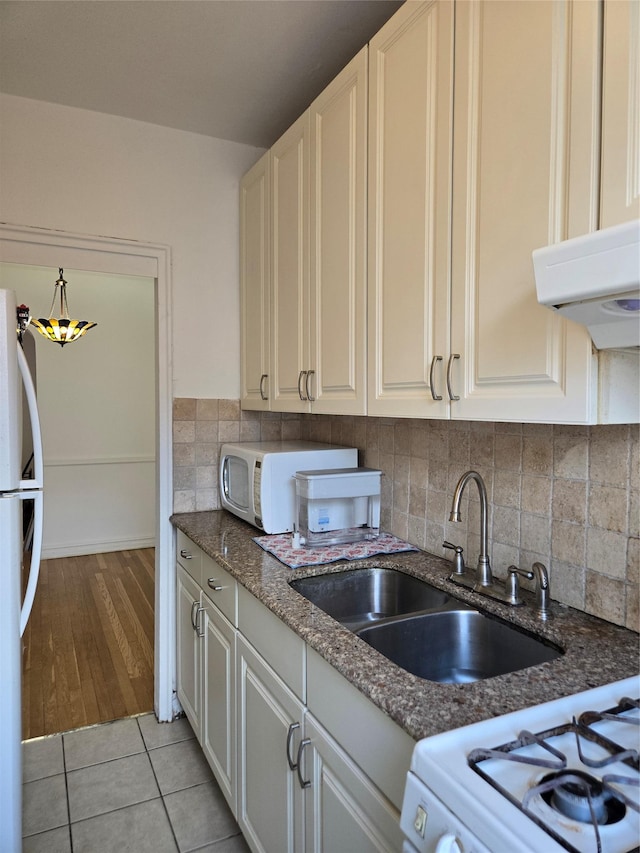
82, 549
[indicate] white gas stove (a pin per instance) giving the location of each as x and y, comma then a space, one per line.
562, 776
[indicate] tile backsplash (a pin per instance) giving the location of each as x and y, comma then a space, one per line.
568, 496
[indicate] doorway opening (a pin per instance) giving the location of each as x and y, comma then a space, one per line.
32, 246
88, 648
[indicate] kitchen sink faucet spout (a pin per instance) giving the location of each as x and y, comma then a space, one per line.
484, 576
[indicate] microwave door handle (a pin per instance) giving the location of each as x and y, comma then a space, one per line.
224, 477
224, 482
32, 405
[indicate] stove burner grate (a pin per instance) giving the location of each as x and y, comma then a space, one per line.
588, 718
572, 793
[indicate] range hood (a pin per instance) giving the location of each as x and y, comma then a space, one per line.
595, 280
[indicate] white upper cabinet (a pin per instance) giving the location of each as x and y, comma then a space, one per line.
410, 140
319, 252
337, 317
493, 128
526, 143
290, 268
255, 285
620, 197
473, 164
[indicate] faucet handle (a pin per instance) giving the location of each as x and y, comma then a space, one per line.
542, 591
512, 585
459, 567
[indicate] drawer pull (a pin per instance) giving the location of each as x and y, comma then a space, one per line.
304, 783
307, 387
453, 357
303, 373
212, 584
184, 553
293, 765
263, 379
194, 608
432, 380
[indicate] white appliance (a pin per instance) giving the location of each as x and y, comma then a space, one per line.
561, 776
595, 280
15, 493
256, 478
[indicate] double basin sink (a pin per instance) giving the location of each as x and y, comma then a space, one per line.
421, 628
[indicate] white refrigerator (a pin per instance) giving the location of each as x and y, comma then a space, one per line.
16, 490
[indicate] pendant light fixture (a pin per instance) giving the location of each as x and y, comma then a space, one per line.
61, 330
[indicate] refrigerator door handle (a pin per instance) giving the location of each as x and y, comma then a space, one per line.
33, 490
36, 550
30, 391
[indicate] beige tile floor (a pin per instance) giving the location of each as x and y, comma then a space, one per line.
131, 785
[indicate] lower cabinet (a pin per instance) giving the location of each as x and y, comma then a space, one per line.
206, 666
298, 789
218, 731
270, 720
344, 811
305, 761
188, 650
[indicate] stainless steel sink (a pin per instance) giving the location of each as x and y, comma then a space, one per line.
362, 596
456, 646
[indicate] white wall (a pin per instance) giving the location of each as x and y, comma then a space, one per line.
88, 173
97, 406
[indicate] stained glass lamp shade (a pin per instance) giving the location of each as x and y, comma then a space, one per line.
61, 330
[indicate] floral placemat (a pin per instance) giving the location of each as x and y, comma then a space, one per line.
280, 546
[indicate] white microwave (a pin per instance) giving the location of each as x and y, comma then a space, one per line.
257, 478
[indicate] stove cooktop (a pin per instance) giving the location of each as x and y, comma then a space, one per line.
561, 776
580, 782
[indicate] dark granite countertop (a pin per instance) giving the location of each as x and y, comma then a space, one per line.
595, 652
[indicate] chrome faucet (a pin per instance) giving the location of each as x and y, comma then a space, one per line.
483, 570
542, 590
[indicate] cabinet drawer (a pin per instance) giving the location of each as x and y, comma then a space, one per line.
377, 744
282, 649
189, 556
220, 588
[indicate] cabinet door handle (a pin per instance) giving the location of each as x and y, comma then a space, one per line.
184, 553
432, 372
263, 379
304, 783
212, 584
310, 373
300, 375
194, 607
452, 358
199, 622
292, 764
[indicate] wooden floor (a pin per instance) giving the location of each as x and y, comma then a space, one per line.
88, 645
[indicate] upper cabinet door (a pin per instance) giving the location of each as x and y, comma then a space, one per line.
410, 139
290, 268
255, 285
620, 196
337, 339
524, 87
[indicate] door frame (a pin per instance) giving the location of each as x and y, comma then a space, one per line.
21, 244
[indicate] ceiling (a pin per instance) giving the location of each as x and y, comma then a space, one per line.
241, 70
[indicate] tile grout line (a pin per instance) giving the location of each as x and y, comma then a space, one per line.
164, 805
66, 788
147, 749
